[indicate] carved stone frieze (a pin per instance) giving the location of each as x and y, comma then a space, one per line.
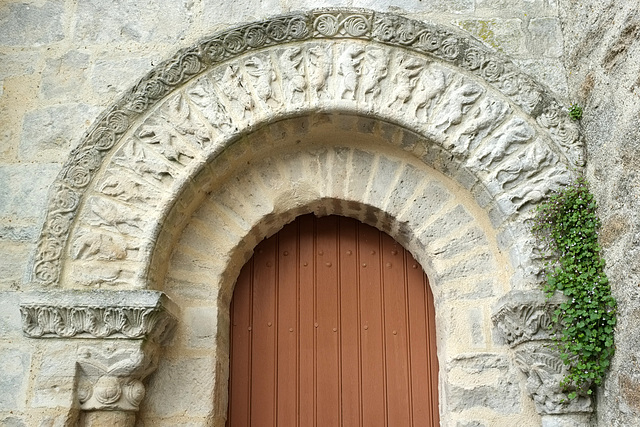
99, 314
523, 320
426, 76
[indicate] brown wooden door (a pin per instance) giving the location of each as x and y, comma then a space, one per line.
332, 325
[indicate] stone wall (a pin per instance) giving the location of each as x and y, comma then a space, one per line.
602, 56
63, 63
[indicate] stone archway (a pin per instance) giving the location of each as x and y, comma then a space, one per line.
411, 105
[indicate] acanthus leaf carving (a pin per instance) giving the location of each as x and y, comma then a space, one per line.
112, 379
524, 320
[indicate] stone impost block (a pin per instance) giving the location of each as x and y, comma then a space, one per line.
99, 314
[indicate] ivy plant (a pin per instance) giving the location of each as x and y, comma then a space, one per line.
567, 226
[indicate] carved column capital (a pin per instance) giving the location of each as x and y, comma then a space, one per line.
523, 319
110, 377
127, 329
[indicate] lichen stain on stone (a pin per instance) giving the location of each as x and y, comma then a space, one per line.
483, 29
630, 390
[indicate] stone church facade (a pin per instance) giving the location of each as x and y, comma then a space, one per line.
147, 148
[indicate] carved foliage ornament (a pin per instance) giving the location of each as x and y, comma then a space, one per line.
523, 320
148, 315
425, 39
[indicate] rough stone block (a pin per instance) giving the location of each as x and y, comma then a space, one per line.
447, 224
103, 22
505, 35
14, 365
548, 71
190, 378
115, 75
55, 382
12, 421
383, 179
201, 326
10, 321
49, 133
486, 381
28, 24
63, 77
450, 6
546, 37
14, 256
23, 189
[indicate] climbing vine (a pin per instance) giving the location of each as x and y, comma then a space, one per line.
566, 224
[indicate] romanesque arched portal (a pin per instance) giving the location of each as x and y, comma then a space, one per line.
404, 125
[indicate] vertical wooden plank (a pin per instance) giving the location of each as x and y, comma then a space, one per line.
373, 387
263, 363
395, 331
240, 356
328, 398
419, 347
306, 320
349, 324
287, 329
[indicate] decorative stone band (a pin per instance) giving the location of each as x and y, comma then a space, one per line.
99, 314
430, 41
523, 319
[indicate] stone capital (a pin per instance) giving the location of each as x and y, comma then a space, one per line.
524, 320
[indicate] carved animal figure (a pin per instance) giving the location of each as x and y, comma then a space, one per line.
405, 79
99, 246
295, 82
124, 188
431, 85
165, 140
535, 191
349, 68
112, 215
488, 116
517, 131
143, 164
375, 70
526, 165
456, 105
319, 68
179, 115
234, 89
205, 97
262, 70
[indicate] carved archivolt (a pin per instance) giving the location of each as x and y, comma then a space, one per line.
124, 178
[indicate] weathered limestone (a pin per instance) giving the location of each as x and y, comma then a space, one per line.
147, 229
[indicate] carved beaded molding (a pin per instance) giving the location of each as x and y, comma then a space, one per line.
523, 320
99, 314
496, 124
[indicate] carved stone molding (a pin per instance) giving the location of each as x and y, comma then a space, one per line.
323, 60
99, 314
523, 320
112, 378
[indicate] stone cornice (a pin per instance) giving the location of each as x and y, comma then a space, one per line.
99, 314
